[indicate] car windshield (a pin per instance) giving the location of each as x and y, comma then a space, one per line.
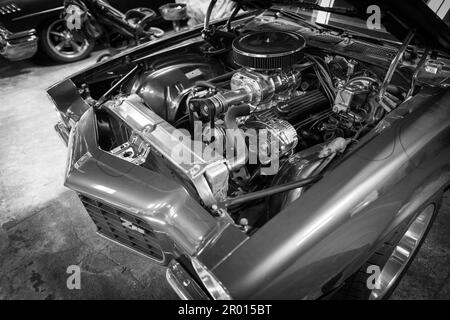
440, 7
337, 20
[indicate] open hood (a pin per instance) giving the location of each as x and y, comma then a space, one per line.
399, 17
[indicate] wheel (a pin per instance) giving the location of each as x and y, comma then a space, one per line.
392, 260
58, 43
157, 32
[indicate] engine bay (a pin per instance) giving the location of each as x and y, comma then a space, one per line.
246, 127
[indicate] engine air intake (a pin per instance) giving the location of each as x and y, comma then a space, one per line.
268, 50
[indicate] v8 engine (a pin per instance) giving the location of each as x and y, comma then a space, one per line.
269, 112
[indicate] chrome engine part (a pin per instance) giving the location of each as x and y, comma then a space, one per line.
272, 50
209, 177
277, 129
247, 86
261, 87
357, 100
353, 94
221, 134
267, 59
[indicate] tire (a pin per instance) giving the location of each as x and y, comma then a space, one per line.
57, 43
390, 260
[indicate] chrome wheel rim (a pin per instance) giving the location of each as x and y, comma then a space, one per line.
62, 42
402, 254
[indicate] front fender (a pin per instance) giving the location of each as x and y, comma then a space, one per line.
333, 228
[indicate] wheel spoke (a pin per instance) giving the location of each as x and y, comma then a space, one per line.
58, 34
75, 46
60, 45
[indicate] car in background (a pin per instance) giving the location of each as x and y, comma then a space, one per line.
17, 16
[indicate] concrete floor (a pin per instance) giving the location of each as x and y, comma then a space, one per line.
45, 229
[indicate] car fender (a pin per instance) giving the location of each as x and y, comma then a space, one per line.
334, 227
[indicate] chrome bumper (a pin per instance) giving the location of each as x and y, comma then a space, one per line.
18, 46
63, 133
183, 284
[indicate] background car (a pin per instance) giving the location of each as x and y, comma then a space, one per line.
45, 17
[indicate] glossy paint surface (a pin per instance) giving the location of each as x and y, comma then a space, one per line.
324, 236
318, 240
168, 208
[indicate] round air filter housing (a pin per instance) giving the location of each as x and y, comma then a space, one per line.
269, 50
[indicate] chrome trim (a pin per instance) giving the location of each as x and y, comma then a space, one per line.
18, 46
38, 13
63, 133
271, 55
403, 253
129, 248
182, 283
159, 134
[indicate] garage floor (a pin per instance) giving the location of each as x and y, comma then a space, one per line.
44, 228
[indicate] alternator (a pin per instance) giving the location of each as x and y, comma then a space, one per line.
281, 130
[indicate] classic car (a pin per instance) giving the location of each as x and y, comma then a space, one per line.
271, 155
44, 16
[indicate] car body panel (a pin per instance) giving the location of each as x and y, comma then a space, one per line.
333, 228
32, 13
165, 204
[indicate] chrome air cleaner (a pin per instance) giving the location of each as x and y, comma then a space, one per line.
270, 50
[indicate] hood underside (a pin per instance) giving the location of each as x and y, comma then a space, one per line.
399, 17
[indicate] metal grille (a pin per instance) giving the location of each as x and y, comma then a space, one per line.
123, 227
9, 8
372, 51
326, 38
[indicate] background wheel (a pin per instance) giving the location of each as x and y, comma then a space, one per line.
393, 259
58, 43
157, 32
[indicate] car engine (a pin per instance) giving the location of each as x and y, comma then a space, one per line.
246, 130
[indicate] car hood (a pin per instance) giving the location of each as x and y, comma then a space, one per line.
399, 17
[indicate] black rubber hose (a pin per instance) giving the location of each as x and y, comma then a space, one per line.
233, 14
270, 191
204, 84
208, 14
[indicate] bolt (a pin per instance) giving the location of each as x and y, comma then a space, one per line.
243, 222
149, 128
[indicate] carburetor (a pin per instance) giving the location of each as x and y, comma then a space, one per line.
267, 60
